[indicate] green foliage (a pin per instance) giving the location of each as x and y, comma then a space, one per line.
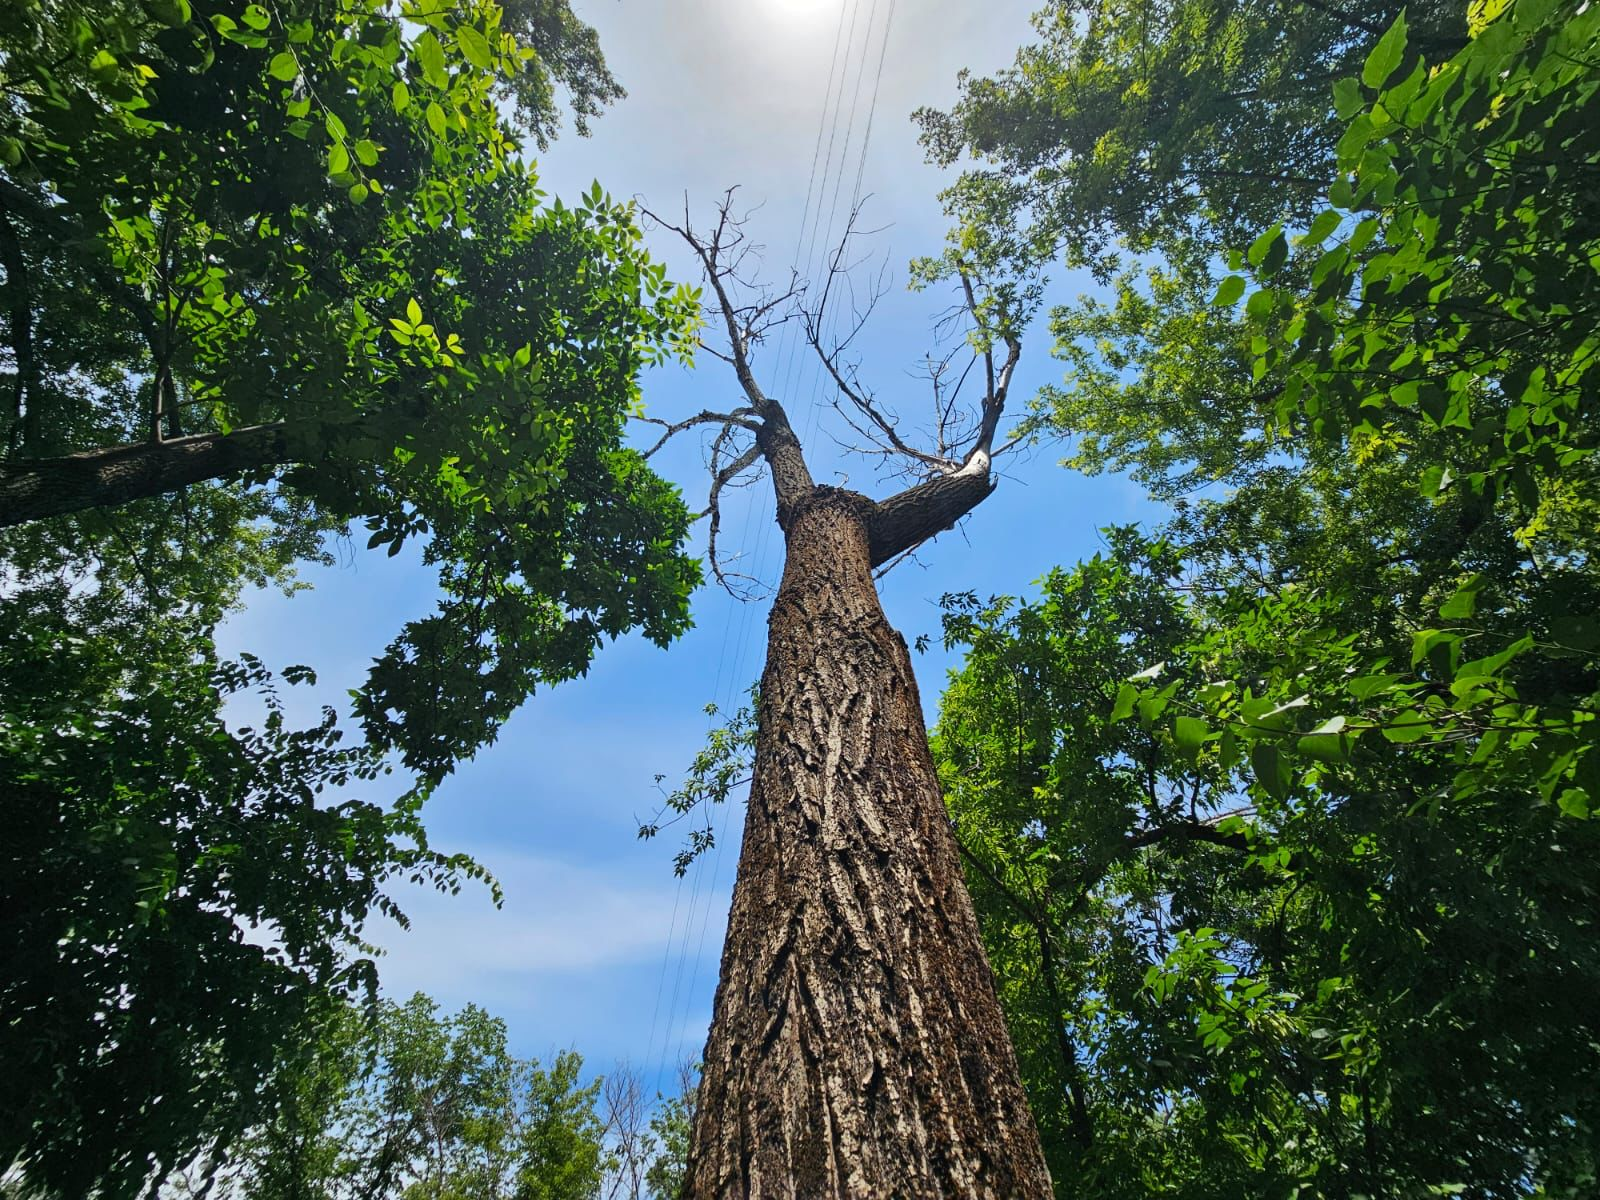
1149, 125
410, 1104
721, 766
1229, 975
310, 218
219, 217
1340, 942
180, 897
1447, 339
670, 1128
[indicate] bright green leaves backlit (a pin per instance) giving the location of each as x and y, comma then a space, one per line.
320, 222
1384, 58
1453, 330
1470, 261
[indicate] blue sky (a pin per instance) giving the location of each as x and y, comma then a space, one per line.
598, 945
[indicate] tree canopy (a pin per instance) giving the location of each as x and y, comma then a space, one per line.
1280, 822
297, 251
271, 273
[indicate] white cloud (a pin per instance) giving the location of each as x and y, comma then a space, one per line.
562, 924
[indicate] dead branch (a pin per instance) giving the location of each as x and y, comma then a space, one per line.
741, 417
949, 478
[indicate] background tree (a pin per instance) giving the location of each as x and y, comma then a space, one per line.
1376, 973
404, 1102
648, 1144
270, 270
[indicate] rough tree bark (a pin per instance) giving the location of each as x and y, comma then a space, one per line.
34, 488
857, 1045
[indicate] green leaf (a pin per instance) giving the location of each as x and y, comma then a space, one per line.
103, 66
401, 95
366, 153
359, 192
414, 312
1190, 734
435, 118
1347, 98
1127, 694
1386, 55
1229, 291
338, 159
474, 47
1326, 747
1151, 707
430, 57
1263, 243
175, 13
284, 66
1574, 802
1270, 770
1461, 605
256, 17
1265, 712
1322, 226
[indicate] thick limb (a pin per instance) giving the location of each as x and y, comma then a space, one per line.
32, 489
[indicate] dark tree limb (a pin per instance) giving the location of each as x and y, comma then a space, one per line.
24, 401
722, 478
32, 489
911, 517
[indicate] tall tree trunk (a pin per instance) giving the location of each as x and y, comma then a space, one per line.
857, 1046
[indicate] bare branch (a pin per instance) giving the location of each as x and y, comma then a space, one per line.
742, 417
721, 255
719, 480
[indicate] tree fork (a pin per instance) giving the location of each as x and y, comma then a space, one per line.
857, 1046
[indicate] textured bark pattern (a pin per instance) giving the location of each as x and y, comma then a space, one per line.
31, 489
897, 524
857, 1046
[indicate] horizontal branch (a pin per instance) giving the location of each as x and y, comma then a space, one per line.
32, 489
743, 417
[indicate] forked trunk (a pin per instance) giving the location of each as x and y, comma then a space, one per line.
857, 1046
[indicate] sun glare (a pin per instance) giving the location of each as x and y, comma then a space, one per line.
807, 12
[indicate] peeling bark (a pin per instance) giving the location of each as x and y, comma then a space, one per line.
857, 1046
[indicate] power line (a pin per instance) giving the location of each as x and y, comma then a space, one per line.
784, 368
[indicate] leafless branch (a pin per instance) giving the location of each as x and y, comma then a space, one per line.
724, 477
723, 255
741, 417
